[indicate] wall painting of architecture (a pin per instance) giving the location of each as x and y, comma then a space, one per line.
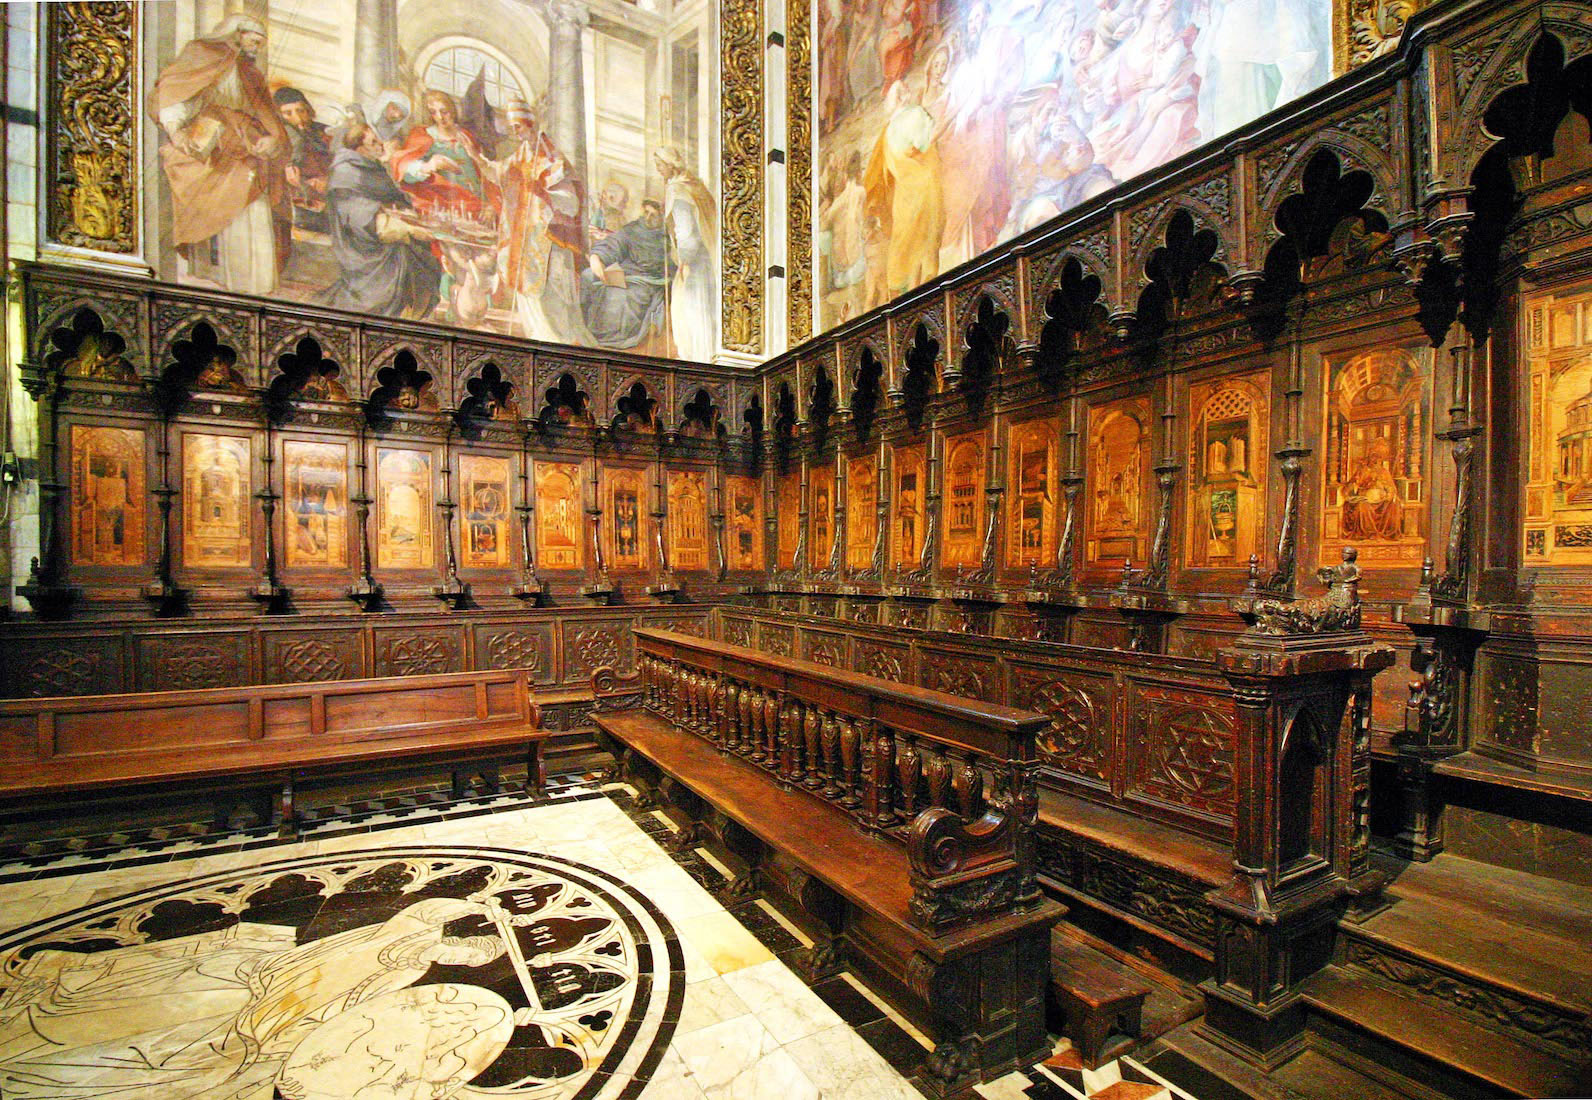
944, 129
216, 506
821, 517
962, 529
626, 522
315, 504
560, 519
745, 521
1032, 494
484, 512
862, 510
788, 518
1229, 454
1558, 524
107, 496
530, 170
1118, 482
1374, 484
688, 520
907, 508
403, 509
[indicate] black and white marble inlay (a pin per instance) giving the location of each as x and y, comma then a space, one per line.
410, 973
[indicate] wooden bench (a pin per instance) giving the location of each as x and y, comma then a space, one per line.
895, 821
278, 735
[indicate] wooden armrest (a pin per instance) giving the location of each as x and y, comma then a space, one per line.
611, 691
965, 870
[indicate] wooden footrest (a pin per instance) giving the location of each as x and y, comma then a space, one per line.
1102, 1007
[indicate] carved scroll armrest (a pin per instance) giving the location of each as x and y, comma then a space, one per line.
965, 870
611, 691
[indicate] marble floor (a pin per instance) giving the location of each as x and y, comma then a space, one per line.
503, 948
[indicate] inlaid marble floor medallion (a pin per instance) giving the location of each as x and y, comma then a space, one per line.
405, 973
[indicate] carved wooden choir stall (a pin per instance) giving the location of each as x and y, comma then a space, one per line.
983, 604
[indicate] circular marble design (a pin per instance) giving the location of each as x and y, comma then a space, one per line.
424, 972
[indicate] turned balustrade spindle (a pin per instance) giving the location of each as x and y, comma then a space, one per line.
909, 770
848, 763
883, 796
969, 786
771, 728
795, 724
830, 737
759, 727
937, 776
790, 740
729, 714
812, 727
743, 743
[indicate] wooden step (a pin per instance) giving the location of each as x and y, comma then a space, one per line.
1508, 951
1438, 1042
1321, 1070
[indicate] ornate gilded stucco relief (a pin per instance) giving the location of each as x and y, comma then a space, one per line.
799, 172
741, 84
93, 51
1364, 30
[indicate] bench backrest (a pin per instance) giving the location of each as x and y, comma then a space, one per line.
105, 729
1150, 734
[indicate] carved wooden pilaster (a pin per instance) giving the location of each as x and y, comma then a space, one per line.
531, 587
268, 591
601, 590
1290, 462
452, 591
162, 592
46, 589
365, 591
664, 588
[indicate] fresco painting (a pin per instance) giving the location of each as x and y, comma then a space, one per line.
540, 172
948, 126
215, 501
1374, 491
1229, 456
107, 496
